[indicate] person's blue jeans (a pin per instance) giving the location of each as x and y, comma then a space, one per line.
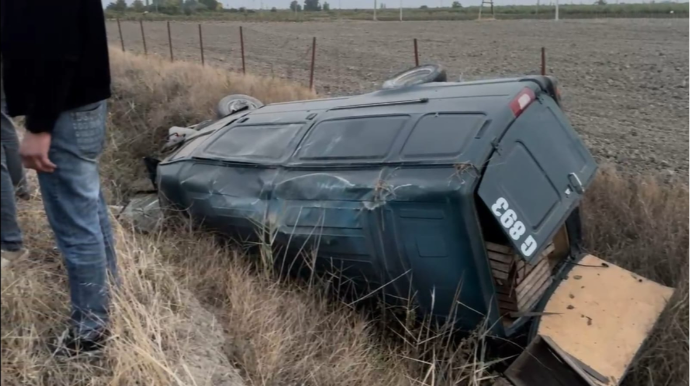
78, 214
11, 176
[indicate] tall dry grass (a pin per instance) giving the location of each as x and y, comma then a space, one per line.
642, 224
163, 336
192, 312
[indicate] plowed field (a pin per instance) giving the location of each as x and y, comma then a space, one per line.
624, 82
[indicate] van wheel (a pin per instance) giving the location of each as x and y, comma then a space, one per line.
235, 103
423, 74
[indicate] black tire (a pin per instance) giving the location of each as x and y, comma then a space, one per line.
427, 73
236, 102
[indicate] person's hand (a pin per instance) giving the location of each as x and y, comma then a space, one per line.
34, 152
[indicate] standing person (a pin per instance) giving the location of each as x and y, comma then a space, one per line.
56, 73
11, 178
14, 166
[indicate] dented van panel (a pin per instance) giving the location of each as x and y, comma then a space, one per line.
405, 227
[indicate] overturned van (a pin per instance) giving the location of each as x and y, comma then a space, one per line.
463, 196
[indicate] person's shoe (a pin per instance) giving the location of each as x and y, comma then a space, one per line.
70, 345
9, 257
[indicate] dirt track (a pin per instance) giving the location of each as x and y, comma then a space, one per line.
625, 82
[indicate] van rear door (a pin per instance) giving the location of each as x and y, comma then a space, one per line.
536, 176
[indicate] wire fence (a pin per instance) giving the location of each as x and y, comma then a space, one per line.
228, 47
291, 63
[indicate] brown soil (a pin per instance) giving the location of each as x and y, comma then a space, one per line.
624, 82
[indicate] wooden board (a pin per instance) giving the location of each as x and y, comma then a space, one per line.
524, 269
503, 267
504, 249
604, 314
501, 258
526, 302
534, 278
499, 275
508, 306
518, 284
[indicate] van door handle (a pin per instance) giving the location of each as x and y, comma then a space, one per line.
576, 183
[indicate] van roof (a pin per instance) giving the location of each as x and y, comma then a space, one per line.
433, 123
487, 88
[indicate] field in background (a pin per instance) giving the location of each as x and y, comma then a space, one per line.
566, 11
194, 313
624, 82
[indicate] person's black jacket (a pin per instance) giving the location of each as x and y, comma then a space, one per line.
54, 58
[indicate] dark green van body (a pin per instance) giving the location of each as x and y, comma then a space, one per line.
389, 187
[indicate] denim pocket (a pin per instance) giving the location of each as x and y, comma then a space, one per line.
89, 128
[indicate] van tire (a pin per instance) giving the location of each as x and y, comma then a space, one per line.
225, 106
427, 73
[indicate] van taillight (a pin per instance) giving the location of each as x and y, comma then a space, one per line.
521, 101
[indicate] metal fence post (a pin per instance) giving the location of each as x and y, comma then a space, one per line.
416, 54
201, 45
313, 58
543, 61
143, 36
170, 43
122, 41
244, 68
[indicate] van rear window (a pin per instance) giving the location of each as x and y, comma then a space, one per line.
367, 138
442, 135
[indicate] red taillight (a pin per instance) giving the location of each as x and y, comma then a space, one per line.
521, 101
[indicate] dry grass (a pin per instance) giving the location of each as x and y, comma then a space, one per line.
642, 225
163, 335
191, 312
282, 334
